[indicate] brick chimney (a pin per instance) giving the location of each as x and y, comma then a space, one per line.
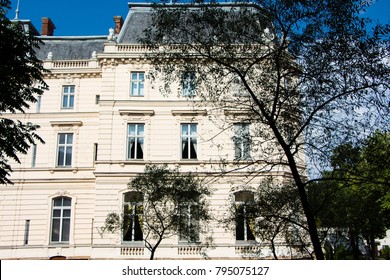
47, 27
118, 24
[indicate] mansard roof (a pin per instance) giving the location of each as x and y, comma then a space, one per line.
138, 19
70, 48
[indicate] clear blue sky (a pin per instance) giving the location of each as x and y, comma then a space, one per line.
95, 17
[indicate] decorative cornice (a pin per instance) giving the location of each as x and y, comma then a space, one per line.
189, 112
125, 112
66, 123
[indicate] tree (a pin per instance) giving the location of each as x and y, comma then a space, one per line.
21, 80
280, 218
276, 218
163, 202
352, 199
309, 75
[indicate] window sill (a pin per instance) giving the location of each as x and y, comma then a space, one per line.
64, 169
59, 244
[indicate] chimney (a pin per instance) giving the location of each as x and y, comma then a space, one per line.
47, 27
118, 24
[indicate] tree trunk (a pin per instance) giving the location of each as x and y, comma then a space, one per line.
312, 227
310, 223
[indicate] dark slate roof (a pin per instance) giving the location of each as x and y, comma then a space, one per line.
69, 48
136, 22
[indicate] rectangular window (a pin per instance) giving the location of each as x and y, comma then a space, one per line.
189, 141
60, 223
68, 97
189, 222
132, 216
95, 151
188, 84
26, 232
135, 141
64, 149
97, 99
137, 83
34, 155
242, 141
245, 215
39, 102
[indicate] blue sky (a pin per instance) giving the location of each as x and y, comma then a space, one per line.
95, 17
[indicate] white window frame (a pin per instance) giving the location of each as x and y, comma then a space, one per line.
139, 139
65, 147
134, 216
138, 82
192, 221
188, 84
65, 215
244, 204
242, 141
190, 140
68, 96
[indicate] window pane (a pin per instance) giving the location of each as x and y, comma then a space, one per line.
134, 89
140, 129
141, 89
131, 148
61, 139
138, 235
57, 202
71, 101
69, 139
65, 101
67, 201
71, 89
140, 152
133, 197
244, 196
66, 213
61, 156
55, 230
127, 228
57, 213
131, 129
65, 230
193, 154
68, 161
193, 129
239, 223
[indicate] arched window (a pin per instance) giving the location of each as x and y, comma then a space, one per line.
60, 219
245, 215
132, 216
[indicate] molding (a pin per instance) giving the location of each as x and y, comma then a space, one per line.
124, 112
66, 123
189, 112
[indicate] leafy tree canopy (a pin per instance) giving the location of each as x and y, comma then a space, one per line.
169, 198
310, 74
354, 197
21, 81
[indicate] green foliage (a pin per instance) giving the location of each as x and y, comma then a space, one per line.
281, 217
164, 192
385, 253
21, 80
311, 74
354, 197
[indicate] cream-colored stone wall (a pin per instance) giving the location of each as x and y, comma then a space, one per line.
96, 187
